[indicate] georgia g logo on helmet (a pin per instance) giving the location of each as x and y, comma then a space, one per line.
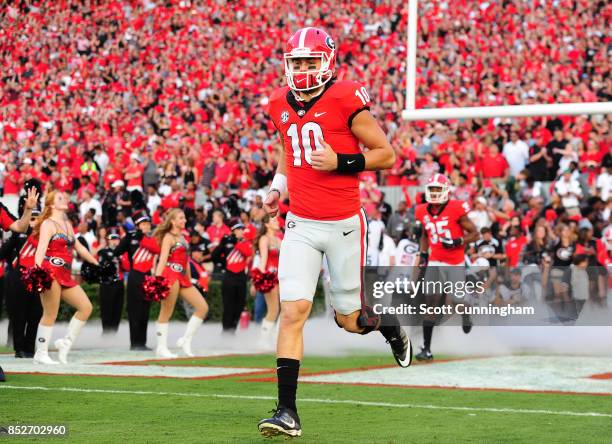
437, 189
309, 43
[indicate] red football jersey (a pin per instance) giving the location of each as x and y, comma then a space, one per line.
444, 225
6, 218
319, 195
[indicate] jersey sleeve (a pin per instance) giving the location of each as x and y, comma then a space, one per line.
354, 99
6, 218
462, 208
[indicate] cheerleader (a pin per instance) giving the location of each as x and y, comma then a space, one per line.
54, 252
268, 245
173, 265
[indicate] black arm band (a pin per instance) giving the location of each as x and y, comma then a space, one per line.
351, 163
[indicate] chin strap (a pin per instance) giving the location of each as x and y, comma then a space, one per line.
297, 96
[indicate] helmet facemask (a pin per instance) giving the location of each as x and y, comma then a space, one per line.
436, 194
309, 79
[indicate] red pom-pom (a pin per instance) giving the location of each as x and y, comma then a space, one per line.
155, 288
36, 279
264, 281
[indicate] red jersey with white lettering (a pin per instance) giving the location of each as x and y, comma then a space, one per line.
25, 258
444, 224
6, 218
320, 195
143, 257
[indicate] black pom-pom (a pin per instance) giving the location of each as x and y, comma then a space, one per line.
90, 273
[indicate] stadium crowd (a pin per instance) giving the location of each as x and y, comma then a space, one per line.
131, 105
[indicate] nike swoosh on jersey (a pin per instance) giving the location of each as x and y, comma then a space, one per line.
320, 114
347, 232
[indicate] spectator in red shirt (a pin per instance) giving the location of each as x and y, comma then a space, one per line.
12, 180
514, 246
133, 175
494, 164
217, 229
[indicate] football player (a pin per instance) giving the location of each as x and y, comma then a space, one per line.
322, 122
446, 232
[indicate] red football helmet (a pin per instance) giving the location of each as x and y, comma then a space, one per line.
437, 189
307, 43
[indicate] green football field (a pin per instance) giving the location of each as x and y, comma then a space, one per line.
227, 408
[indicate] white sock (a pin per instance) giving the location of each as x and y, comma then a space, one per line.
74, 328
192, 326
43, 336
267, 326
162, 335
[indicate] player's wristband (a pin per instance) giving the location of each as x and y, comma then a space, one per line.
279, 183
351, 163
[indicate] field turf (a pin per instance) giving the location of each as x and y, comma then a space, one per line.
168, 410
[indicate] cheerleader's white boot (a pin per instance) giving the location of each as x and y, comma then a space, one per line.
184, 341
162, 342
41, 355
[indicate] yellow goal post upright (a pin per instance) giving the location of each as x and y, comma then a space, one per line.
410, 112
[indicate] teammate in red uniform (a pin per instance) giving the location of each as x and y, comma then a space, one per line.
173, 265
446, 232
322, 123
56, 243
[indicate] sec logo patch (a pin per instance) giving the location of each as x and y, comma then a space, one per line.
284, 116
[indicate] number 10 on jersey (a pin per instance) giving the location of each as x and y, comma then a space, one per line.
308, 135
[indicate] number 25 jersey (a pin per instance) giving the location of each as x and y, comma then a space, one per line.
446, 225
319, 195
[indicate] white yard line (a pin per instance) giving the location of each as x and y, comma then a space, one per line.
313, 400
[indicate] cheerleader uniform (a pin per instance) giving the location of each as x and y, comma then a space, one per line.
58, 259
272, 262
176, 266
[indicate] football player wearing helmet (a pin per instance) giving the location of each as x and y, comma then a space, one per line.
446, 232
322, 122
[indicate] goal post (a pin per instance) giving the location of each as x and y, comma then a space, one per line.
410, 112
554, 109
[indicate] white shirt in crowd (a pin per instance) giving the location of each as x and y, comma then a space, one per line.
386, 256
569, 191
102, 161
517, 156
406, 253
86, 206
153, 201
480, 218
376, 228
604, 184
164, 189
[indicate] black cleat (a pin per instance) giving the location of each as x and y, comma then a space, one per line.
19, 354
285, 422
424, 355
401, 348
466, 323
